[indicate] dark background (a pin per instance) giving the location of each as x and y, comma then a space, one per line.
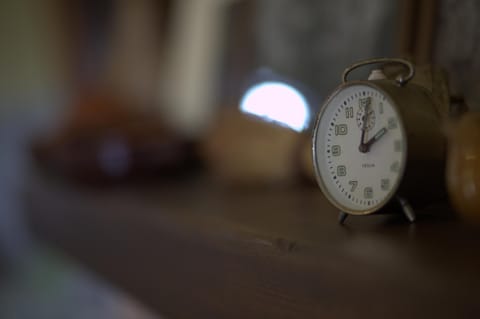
185, 61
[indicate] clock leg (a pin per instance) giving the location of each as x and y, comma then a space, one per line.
407, 209
341, 217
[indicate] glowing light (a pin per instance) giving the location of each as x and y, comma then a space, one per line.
279, 102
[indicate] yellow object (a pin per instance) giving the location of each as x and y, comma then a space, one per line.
463, 166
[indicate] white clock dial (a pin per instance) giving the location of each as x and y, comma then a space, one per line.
359, 149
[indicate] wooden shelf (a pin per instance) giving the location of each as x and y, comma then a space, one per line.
195, 250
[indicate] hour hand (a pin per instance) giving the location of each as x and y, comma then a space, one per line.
376, 137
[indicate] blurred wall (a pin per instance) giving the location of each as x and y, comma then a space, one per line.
458, 47
30, 90
31, 60
313, 41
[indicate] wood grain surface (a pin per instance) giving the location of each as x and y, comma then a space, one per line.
193, 249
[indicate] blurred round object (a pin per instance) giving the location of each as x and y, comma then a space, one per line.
278, 102
245, 150
463, 166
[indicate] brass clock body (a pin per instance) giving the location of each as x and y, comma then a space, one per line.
418, 104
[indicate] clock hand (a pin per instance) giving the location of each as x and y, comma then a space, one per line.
375, 138
363, 146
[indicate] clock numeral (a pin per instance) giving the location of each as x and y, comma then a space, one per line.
385, 184
336, 150
341, 129
397, 146
368, 192
341, 170
392, 123
365, 102
349, 112
354, 185
380, 108
395, 167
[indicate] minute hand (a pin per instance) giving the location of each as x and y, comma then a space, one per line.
376, 137
363, 146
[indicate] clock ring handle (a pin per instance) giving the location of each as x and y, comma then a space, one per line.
401, 80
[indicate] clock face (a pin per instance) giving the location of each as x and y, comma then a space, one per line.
359, 149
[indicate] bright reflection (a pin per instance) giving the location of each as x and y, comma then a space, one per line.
278, 102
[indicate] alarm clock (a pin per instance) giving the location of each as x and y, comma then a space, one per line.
379, 141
